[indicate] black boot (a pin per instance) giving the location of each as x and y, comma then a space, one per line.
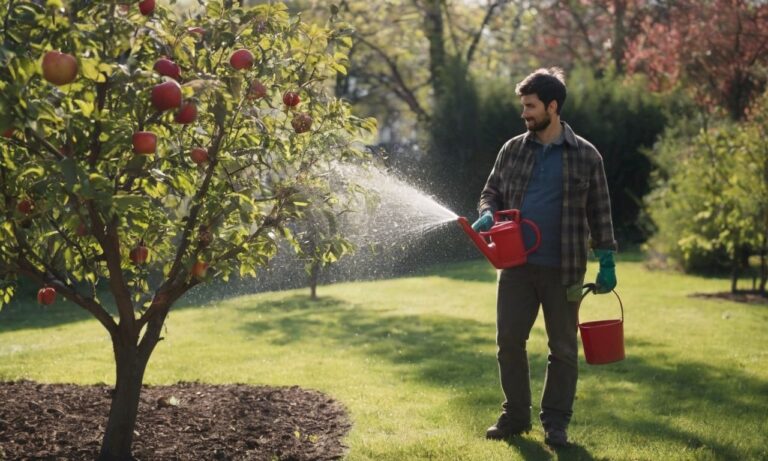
505, 428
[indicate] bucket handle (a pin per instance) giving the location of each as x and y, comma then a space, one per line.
592, 287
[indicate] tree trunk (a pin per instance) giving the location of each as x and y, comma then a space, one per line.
118, 437
314, 275
433, 29
619, 35
764, 266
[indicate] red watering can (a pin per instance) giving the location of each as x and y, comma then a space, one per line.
503, 243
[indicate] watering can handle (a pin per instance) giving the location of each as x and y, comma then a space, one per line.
535, 231
514, 215
592, 287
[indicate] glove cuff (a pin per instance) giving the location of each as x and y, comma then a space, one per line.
605, 257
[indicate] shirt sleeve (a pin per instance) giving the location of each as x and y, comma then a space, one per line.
490, 197
599, 210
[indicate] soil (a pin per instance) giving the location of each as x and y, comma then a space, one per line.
186, 421
748, 298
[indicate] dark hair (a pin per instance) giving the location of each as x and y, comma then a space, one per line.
547, 84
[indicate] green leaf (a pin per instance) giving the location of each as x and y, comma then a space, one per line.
213, 9
85, 107
89, 67
124, 203
36, 171
338, 68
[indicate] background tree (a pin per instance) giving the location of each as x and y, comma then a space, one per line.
593, 34
711, 203
320, 239
99, 182
402, 48
724, 66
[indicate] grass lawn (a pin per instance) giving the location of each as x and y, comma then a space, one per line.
413, 359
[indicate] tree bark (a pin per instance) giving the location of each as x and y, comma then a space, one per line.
433, 29
313, 277
619, 35
118, 437
764, 266
735, 270
131, 358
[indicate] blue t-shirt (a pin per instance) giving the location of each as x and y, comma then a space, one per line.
542, 203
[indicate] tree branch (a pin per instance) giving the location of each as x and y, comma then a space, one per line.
58, 282
46, 144
101, 97
197, 200
451, 30
406, 94
476, 39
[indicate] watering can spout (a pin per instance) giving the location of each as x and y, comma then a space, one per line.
489, 250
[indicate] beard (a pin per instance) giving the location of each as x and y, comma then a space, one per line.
540, 125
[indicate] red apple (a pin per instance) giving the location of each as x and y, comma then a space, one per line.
166, 95
187, 113
199, 155
241, 59
25, 206
257, 90
147, 7
196, 30
144, 142
139, 254
46, 295
199, 269
59, 68
168, 68
291, 99
301, 123
8, 132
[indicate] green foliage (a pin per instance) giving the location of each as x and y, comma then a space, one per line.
712, 199
71, 152
454, 127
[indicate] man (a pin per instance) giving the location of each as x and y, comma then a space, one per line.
556, 179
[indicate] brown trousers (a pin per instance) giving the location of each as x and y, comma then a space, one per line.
520, 292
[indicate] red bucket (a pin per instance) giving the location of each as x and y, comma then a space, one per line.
603, 340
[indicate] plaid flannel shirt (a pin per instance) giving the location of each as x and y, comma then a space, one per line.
586, 211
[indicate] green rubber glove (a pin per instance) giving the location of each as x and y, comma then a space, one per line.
606, 276
484, 222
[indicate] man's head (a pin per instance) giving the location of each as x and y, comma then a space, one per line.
547, 84
542, 94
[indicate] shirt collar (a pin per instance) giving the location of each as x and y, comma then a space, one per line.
567, 136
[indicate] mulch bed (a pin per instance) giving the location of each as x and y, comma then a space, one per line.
186, 421
748, 298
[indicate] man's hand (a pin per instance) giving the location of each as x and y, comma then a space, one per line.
606, 276
484, 222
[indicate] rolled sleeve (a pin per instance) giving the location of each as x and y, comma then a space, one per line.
599, 210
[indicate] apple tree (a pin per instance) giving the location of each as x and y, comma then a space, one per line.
143, 154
